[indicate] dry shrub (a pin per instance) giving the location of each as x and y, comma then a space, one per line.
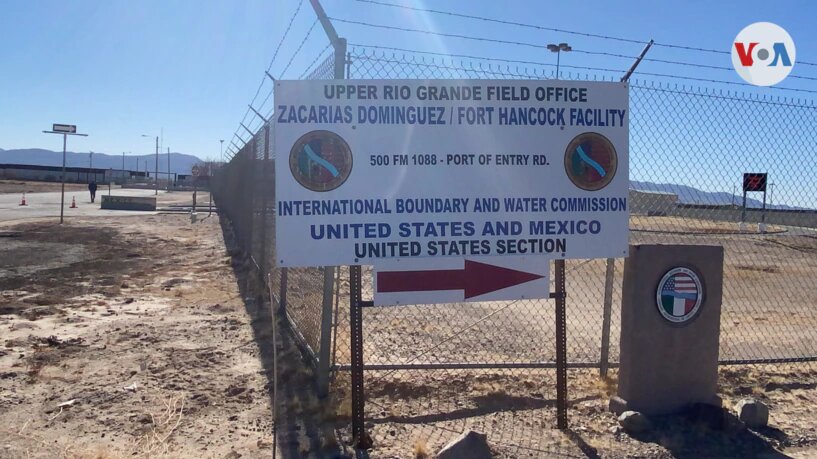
421, 449
163, 425
338, 409
606, 386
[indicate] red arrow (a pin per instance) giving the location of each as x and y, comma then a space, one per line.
476, 279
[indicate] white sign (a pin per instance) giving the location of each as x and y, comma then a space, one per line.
68, 128
371, 170
453, 280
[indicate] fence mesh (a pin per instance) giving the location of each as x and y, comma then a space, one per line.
689, 147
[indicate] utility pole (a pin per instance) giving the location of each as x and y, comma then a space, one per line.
168, 168
222, 150
771, 195
65, 130
155, 179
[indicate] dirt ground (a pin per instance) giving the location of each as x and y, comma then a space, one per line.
409, 411
149, 336
17, 186
129, 337
766, 313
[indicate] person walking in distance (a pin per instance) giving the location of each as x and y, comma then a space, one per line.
92, 189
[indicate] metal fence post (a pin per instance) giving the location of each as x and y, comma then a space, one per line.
605, 324
283, 293
326, 331
251, 164
340, 58
264, 202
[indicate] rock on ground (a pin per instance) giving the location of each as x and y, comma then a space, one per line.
753, 413
469, 445
633, 422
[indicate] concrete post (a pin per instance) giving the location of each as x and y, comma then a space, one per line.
670, 328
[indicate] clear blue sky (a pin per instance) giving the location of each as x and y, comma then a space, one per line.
121, 68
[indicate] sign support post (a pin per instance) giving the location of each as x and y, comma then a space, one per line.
755, 181
326, 331
360, 438
62, 190
65, 130
561, 346
604, 364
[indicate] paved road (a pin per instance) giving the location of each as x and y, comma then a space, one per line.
48, 204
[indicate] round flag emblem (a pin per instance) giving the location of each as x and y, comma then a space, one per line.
320, 160
590, 161
679, 295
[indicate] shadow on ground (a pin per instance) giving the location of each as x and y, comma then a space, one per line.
707, 431
299, 430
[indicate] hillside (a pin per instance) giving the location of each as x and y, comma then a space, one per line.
180, 163
691, 195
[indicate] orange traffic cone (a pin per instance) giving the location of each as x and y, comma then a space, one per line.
23, 202
73, 203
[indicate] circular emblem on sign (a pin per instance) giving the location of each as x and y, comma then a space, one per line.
679, 295
590, 161
763, 54
320, 160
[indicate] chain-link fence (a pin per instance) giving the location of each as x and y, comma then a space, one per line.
245, 190
433, 370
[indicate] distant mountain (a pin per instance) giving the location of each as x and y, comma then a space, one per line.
690, 195
180, 163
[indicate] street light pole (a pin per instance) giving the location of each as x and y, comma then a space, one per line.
222, 150
168, 168
554, 48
